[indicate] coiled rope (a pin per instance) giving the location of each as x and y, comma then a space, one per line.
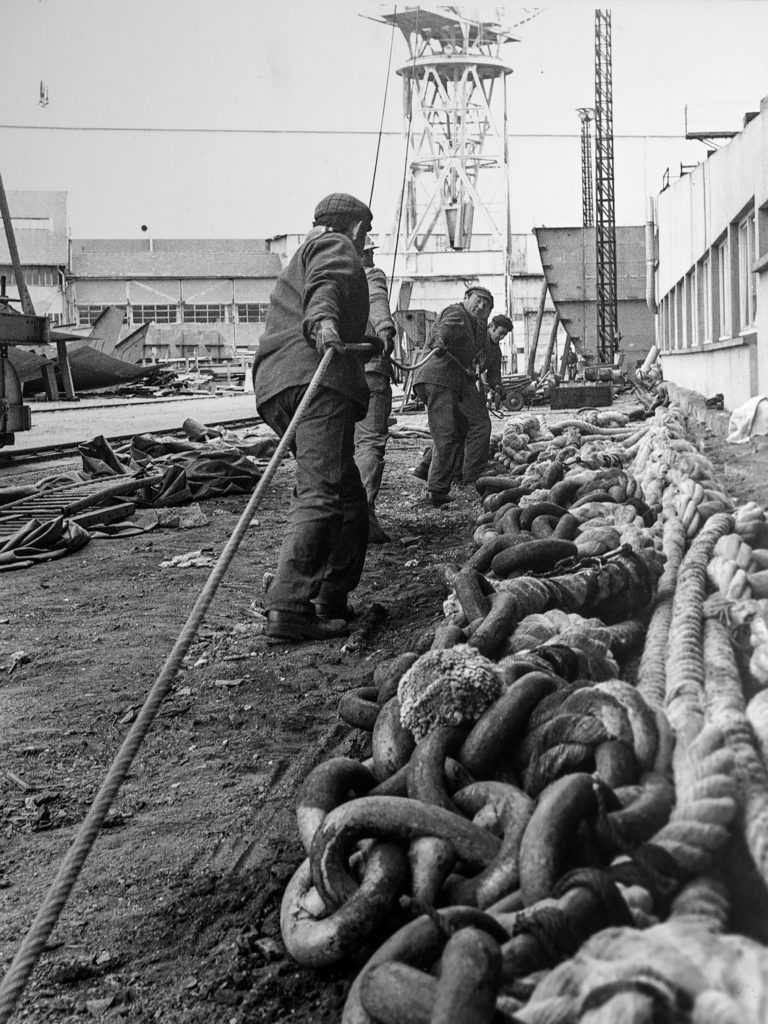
48, 915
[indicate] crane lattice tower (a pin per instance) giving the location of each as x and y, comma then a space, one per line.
455, 109
586, 115
605, 212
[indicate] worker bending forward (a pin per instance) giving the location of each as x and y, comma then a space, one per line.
446, 382
320, 302
474, 418
372, 433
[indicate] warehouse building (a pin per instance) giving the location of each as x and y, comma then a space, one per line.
204, 299
39, 221
711, 281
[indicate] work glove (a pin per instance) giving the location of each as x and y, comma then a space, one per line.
325, 336
388, 340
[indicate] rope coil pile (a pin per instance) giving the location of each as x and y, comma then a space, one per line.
538, 832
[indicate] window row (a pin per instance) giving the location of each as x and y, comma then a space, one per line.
185, 313
34, 277
717, 298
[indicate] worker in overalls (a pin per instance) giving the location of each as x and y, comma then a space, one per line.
372, 433
449, 379
320, 302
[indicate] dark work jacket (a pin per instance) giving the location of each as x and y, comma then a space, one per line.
379, 317
465, 338
491, 367
324, 279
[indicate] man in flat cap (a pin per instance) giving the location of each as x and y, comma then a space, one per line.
372, 433
320, 302
447, 380
473, 418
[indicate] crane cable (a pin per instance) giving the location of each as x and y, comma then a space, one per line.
405, 163
383, 108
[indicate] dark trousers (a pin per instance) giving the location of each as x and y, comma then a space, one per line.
372, 434
323, 550
473, 424
445, 428
477, 441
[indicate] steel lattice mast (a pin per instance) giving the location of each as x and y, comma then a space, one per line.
605, 234
586, 115
456, 129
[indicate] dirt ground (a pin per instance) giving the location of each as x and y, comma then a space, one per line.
175, 915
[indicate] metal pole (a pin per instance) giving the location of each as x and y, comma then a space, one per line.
537, 328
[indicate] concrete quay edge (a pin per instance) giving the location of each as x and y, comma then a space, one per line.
694, 406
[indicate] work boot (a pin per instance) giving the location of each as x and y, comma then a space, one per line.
298, 626
376, 533
439, 499
421, 472
328, 612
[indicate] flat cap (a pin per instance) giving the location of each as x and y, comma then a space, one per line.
477, 289
343, 204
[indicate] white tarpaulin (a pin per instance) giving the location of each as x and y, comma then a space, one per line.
749, 419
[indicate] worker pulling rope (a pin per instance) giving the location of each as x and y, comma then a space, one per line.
37, 936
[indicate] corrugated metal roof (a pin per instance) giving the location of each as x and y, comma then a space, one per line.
39, 246
131, 265
144, 244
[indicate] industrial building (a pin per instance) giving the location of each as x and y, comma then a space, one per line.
711, 255
203, 298
40, 225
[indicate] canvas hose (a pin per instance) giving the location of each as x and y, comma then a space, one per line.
28, 953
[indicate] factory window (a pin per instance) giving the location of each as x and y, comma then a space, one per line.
691, 310
32, 223
747, 284
208, 314
705, 291
723, 290
89, 314
56, 319
158, 314
34, 277
677, 313
41, 277
252, 312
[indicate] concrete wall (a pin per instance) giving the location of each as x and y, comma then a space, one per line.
728, 371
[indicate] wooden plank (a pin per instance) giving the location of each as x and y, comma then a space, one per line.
108, 514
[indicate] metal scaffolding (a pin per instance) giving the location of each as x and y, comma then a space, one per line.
586, 114
605, 234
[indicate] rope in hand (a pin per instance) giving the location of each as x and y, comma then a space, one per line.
48, 915
427, 357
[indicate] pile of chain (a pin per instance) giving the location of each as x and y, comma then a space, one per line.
537, 833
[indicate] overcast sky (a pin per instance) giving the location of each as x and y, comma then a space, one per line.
231, 118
